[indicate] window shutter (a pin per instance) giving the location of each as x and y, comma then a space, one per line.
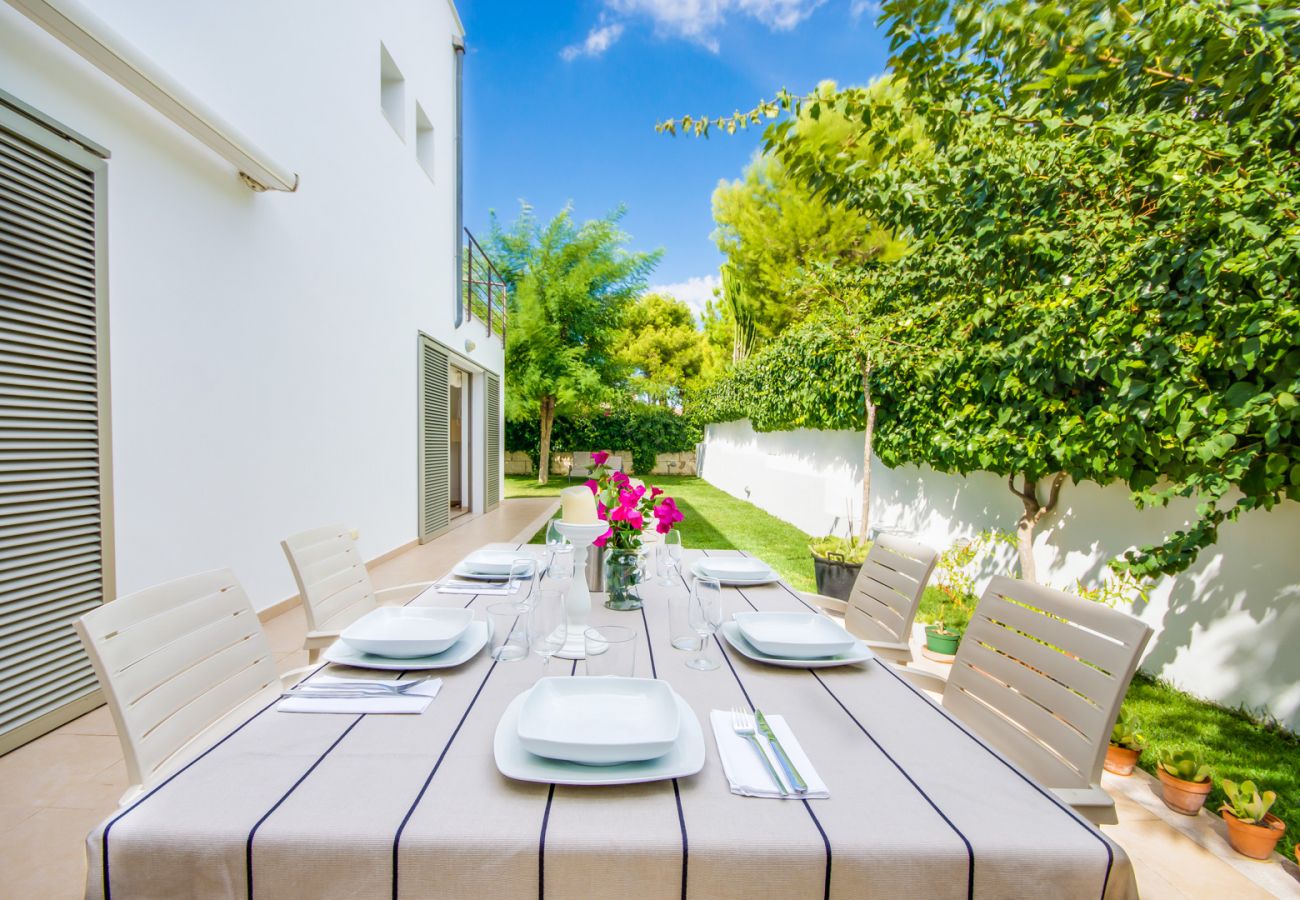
435, 447
493, 467
55, 546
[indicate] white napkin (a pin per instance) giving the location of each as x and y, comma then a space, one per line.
413, 702
747, 775
455, 586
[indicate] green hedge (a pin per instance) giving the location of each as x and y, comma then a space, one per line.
645, 430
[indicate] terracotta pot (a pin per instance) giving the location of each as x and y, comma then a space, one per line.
1255, 841
1121, 760
1186, 797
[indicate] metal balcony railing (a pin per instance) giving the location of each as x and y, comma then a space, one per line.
484, 293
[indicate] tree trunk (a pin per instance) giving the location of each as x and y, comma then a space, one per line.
1034, 513
544, 454
870, 409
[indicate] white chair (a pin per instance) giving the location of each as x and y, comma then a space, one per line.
177, 662
1040, 674
334, 585
883, 603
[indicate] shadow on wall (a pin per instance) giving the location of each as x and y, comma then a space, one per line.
1226, 629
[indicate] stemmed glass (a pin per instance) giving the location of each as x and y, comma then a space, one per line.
706, 619
553, 536
547, 626
559, 569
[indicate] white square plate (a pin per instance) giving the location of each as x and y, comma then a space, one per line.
765, 577
466, 648
405, 632
860, 653
794, 635
599, 721
684, 759
492, 562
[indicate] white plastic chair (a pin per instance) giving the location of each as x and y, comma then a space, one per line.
177, 662
1040, 674
334, 585
883, 603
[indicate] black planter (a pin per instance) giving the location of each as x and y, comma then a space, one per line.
835, 577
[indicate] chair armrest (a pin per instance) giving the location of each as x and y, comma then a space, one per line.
293, 676
402, 590
827, 603
1093, 803
889, 645
926, 681
315, 640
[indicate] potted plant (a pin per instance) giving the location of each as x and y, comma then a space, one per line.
836, 563
1126, 743
1186, 781
939, 639
1252, 830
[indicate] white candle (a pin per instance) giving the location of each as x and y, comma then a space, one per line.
578, 506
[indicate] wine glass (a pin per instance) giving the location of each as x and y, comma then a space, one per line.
559, 569
553, 536
706, 619
547, 626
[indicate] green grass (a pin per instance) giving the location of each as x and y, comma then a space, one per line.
1237, 745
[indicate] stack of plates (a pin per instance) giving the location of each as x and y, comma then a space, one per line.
735, 570
591, 731
797, 640
408, 638
491, 565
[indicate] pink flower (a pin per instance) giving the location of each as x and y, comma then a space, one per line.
601, 541
599, 457
629, 515
666, 515
620, 479
594, 485
630, 498
600, 510
655, 492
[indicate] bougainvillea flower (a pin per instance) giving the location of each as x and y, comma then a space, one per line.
655, 492
599, 457
630, 515
601, 541
594, 485
600, 510
631, 498
666, 515
620, 479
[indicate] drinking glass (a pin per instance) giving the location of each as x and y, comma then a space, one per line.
523, 575
611, 650
706, 619
680, 630
547, 626
553, 536
508, 623
672, 550
559, 569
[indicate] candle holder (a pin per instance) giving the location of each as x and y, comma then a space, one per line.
577, 603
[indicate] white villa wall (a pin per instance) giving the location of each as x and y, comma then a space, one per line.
264, 346
1227, 629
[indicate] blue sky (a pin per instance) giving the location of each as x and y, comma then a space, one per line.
562, 98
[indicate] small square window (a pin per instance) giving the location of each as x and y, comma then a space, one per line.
424, 141
392, 92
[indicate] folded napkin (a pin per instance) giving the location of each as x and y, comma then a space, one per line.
455, 586
413, 702
747, 775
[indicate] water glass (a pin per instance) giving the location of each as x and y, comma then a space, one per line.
547, 625
611, 650
680, 632
508, 623
559, 569
706, 619
523, 577
672, 547
553, 536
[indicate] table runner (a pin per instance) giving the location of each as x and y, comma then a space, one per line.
291, 806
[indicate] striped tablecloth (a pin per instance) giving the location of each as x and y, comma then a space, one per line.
317, 806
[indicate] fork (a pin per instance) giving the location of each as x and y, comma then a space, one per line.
353, 687
743, 725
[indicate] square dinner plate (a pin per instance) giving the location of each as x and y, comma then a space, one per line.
405, 632
859, 653
748, 580
599, 721
684, 759
794, 635
492, 563
466, 648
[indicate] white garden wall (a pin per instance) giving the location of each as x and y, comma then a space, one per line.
264, 346
1227, 629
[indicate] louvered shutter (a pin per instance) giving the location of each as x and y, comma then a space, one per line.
435, 447
493, 467
55, 546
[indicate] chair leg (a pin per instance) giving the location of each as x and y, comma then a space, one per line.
313, 653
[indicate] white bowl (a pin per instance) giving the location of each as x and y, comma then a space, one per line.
794, 635
599, 721
493, 562
407, 632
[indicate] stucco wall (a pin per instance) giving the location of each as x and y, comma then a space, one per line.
264, 346
1227, 629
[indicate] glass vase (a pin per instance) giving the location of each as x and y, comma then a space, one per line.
622, 572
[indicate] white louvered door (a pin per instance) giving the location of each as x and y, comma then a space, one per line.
55, 534
493, 442
435, 442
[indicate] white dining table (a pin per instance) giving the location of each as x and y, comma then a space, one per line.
412, 806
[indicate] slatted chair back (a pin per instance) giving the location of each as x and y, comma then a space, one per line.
332, 579
174, 659
888, 589
1041, 674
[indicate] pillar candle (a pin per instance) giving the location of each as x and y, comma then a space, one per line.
578, 506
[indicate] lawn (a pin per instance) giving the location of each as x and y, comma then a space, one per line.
1236, 744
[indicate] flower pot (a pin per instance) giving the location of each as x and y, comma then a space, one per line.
944, 642
1121, 760
1255, 841
1186, 797
622, 571
835, 577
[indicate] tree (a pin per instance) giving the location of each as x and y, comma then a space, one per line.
569, 286
1109, 210
662, 349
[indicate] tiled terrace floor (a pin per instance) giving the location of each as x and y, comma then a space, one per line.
54, 790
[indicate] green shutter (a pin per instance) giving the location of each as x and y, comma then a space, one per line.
493, 467
435, 446
55, 544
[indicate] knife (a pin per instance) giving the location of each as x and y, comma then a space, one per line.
796, 780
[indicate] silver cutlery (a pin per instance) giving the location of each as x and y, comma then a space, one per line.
796, 780
381, 688
743, 725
